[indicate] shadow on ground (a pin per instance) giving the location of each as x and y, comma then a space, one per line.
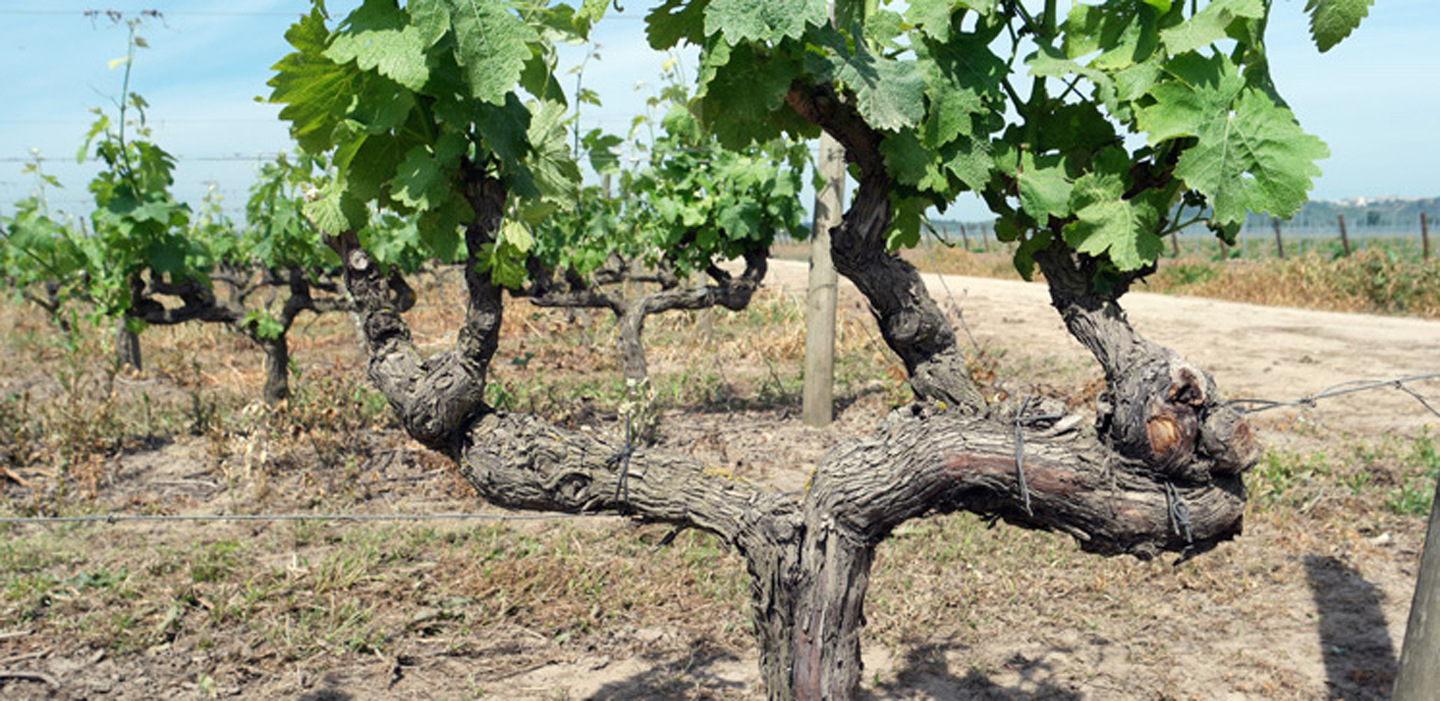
926, 673
678, 679
1360, 660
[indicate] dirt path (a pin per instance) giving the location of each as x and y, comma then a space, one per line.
1253, 351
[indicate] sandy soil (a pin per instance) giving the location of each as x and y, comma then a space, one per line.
1307, 615
1337, 624
1253, 351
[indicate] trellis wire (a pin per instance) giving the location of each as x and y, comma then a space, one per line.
1343, 388
124, 518
1179, 514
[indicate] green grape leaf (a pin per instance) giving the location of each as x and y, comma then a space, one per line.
550, 163
590, 12
1025, 252
504, 261
904, 231
763, 20
1333, 20
153, 212
538, 79
439, 228
1044, 190
375, 164
906, 159
380, 105
913, 164
675, 21
431, 17
1210, 24
882, 27
889, 94
951, 114
1250, 154
420, 182
517, 236
738, 82
1051, 63
377, 38
1077, 130
336, 210
598, 146
1132, 83
959, 77
932, 17
491, 46
1123, 32
167, 255
507, 129
314, 89
850, 13
1107, 224
969, 160
266, 326
741, 219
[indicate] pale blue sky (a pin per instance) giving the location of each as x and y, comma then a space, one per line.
1375, 98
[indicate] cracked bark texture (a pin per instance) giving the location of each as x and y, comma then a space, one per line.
910, 322
809, 557
1158, 409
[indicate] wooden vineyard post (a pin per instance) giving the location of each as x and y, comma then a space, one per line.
1279, 242
818, 394
1344, 237
965, 236
1424, 235
1174, 244
127, 347
1419, 676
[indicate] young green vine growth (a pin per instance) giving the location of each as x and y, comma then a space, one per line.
448, 110
691, 207
40, 260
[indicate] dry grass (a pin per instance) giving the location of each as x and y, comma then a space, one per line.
1376, 280
223, 606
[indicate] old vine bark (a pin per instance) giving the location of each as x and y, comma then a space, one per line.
809, 557
910, 321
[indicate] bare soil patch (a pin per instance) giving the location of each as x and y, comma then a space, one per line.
1310, 603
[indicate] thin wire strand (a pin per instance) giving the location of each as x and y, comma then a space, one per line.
1343, 388
1181, 517
164, 518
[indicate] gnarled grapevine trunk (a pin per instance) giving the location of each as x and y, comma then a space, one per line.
809, 557
1158, 408
910, 322
277, 369
808, 582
